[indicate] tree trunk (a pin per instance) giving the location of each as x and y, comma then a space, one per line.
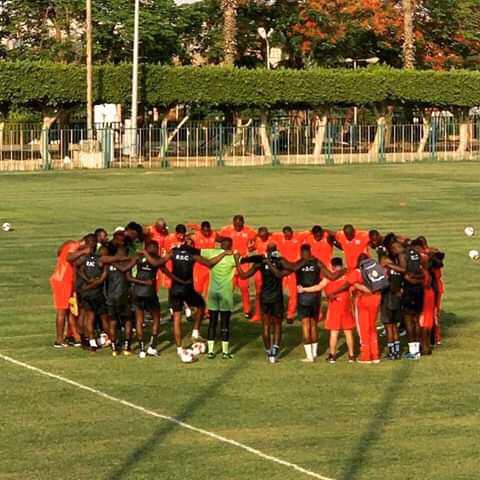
264, 138
320, 135
408, 34
44, 152
229, 31
464, 134
426, 118
379, 136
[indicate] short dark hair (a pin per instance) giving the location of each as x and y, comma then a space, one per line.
337, 262
135, 226
239, 217
205, 224
305, 248
98, 231
287, 228
317, 229
181, 228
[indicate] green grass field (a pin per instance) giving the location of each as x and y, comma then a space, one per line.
392, 421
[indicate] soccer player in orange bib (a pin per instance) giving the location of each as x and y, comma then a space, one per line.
321, 242
288, 243
62, 282
353, 242
203, 238
427, 317
366, 306
241, 236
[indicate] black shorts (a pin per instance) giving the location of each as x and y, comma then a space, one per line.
119, 311
148, 304
95, 304
389, 316
188, 295
413, 300
310, 310
275, 309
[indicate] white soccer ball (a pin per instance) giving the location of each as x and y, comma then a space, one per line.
198, 348
142, 354
187, 356
6, 227
469, 231
474, 254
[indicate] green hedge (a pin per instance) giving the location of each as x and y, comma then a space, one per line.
40, 84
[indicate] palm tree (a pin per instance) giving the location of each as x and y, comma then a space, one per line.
408, 34
229, 31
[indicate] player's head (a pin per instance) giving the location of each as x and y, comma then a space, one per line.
375, 238
152, 247
271, 249
305, 252
161, 225
101, 236
422, 241
263, 233
388, 239
134, 231
206, 229
417, 245
349, 231
226, 243
238, 222
118, 238
287, 232
90, 241
317, 232
337, 263
181, 232
361, 258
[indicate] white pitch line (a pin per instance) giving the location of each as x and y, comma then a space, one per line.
187, 426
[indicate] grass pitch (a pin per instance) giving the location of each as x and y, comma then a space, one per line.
396, 420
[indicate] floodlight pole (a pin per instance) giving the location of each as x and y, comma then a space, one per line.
89, 69
133, 125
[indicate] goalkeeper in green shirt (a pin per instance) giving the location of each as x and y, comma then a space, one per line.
220, 297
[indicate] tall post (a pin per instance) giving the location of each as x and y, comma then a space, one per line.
408, 34
89, 70
133, 144
268, 53
355, 108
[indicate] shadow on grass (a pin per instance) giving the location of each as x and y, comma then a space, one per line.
383, 411
123, 470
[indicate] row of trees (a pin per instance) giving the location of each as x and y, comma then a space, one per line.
438, 34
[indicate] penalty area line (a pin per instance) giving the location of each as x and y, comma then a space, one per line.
167, 418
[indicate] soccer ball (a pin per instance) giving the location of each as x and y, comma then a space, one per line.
469, 231
474, 254
198, 348
6, 227
187, 356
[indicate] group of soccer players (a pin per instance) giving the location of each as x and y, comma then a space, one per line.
111, 286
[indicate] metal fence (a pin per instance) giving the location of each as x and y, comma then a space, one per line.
211, 145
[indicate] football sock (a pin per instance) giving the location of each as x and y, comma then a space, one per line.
93, 343
275, 350
308, 351
391, 348
195, 333
154, 341
113, 346
141, 343
411, 347
126, 345
179, 350
225, 347
211, 345
315, 349
396, 347
417, 348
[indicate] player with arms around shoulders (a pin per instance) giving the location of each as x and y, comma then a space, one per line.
183, 258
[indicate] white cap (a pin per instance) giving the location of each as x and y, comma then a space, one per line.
119, 229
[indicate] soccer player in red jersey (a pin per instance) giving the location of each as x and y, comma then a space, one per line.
367, 305
288, 243
321, 242
353, 242
203, 238
242, 235
62, 282
427, 317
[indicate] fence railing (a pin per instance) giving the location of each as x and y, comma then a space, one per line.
219, 145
